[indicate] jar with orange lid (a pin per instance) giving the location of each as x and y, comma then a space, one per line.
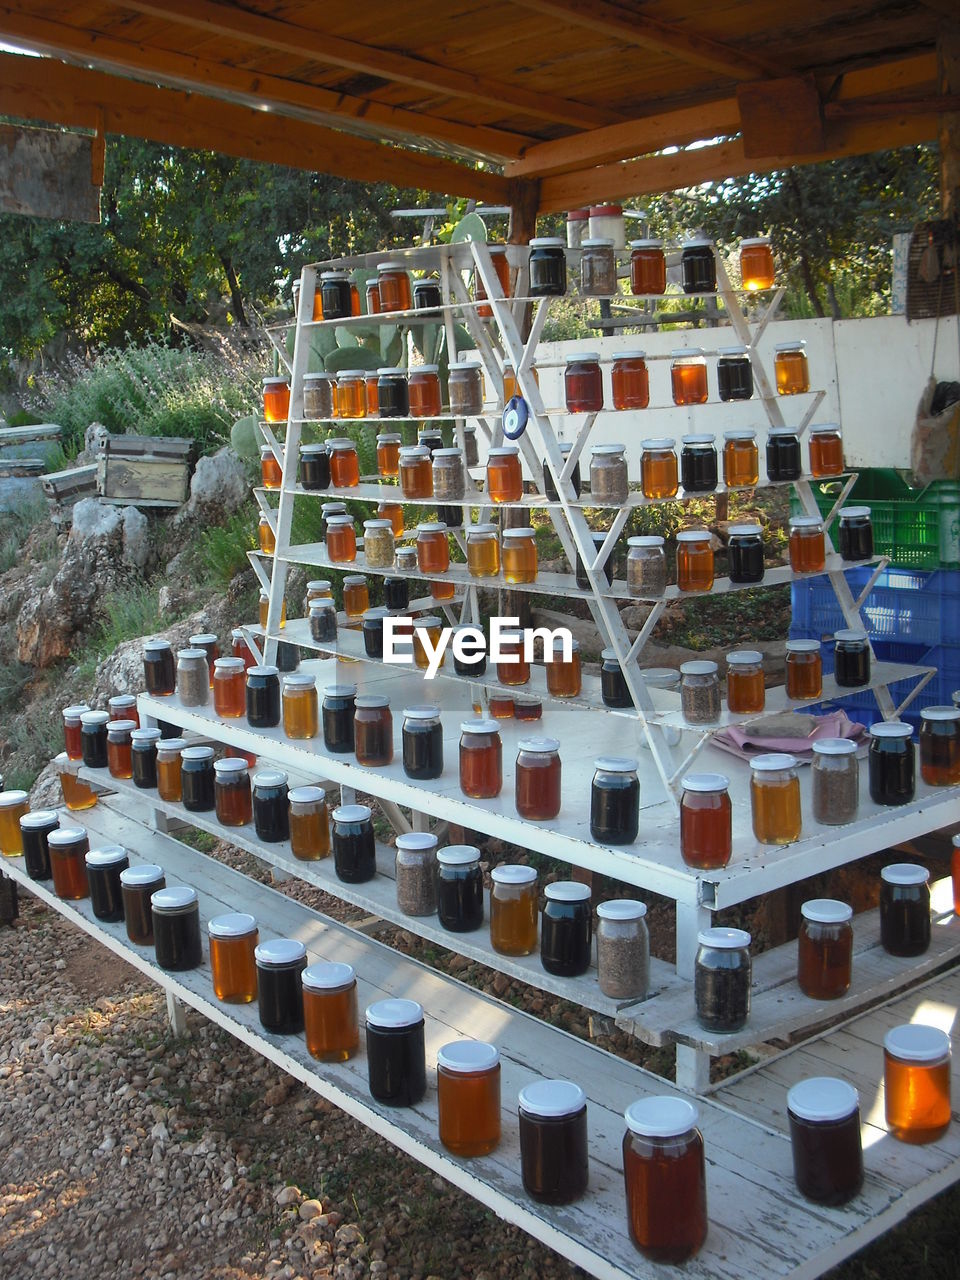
232, 797
393, 286
233, 970
514, 910
309, 825
804, 670
630, 380
271, 468
483, 550
659, 470
688, 376
583, 383
775, 798
790, 368
344, 464
504, 474
513, 667
741, 459
416, 472
745, 687
706, 821
331, 1019
423, 388
519, 550
807, 545
648, 268
826, 450
564, 677
266, 536
276, 399
356, 595
351, 394
695, 560
341, 540
756, 264
468, 1097
501, 267
916, 1079
481, 759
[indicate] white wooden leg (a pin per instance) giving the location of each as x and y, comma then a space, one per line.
691, 918
177, 1015
693, 1069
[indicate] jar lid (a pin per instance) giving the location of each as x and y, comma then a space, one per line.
458, 855
299, 682
578, 215
269, 778
327, 975
318, 584
446, 453
731, 351
625, 355
806, 522
480, 726
277, 953
372, 701
616, 764
622, 909
331, 508
120, 726
355, 579
745, 434
546, 242
425, 711
351, 813
525, 532
322, 605
276, 382
656, 444
744, 657
39, 818
854, 513
193, 654
128, 699
465, 363
424, 368
552, 1098
95, 717
645, 540
235, 924
107, 856
940, 713
416, 841
646, 244
661, 1117
481, 528
820, 427
693, 535
705, 782
683, 353
596, 243
263, 670
432, 526
700, 667
905, 873
752, 241
334, 275
232, 764
376, 524
145, 873
200, 639
430, 620
834, 747
660, 677
411, 451
826, 911
773, 761
783, 431
790, 346
376, 614
62, 835
391, 266
171, 744
394, 1013
504, 451
698, 439
578, 357
228, 664
340, 691
539, 746
891, 729
803, 646
567, 891
306, 795
156, 646
745, 531
606, 211
315, 377
392, 373
513, 873
724, 939
197, 753
608, 450
916, 1042
468, 1055
342, 442
179, 897
74, 712
822, 1098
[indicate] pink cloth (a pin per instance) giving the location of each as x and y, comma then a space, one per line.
739, 741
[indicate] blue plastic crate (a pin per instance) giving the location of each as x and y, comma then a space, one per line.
938, 692
905, 606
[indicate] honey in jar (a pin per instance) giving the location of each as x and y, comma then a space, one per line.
341, 540
388, 455
511, 387
538, 774
393, 286
648, 268
807, 547
756, 264
426, 632
688, 376
423, 388
433, 553
168, 768
504, 474
13, 806
916, 1082
775, 798
416, 472
940, 746
825, 949
344, 464
351, 401
513, 667
826, 451
501, 706
120, 748
553, 1141
76, 794
659, 471
373, 730
229, 688
519, 553
824, 1116
483, 550
300, 706
665, 1178
468, 1097
481, 759
331, 1019
694, 560
745, 687
393, 512
514, 910
233, 969
309, 824
630, 380
73, 730
706, 821
370, 381
104, 867
231, 792
271, 470
276, 399
68, 848
583, 383
790, 368
564, 678
137, 886
356, 595
741, 459
804, 670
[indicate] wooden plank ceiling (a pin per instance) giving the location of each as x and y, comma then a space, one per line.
548, 104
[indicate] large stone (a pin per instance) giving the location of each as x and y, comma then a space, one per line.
45, 792
220, 486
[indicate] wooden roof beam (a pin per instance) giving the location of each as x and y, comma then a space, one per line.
47, 90
603, 18
241, 25
217, 79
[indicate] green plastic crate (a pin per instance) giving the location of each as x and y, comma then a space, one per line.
916, 528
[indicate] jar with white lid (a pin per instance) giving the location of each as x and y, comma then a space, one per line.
609, 482
775, 798
824, 1118
449, 481
905, 909
566, 929
756, 264
916, 1079
606, 222
699, 266
665, 1178
688, 376
734, 374
330, 1017
553, 1141
700, 691
891, 763
698, 464
623, 949
825, 949
646, 566
598, 268
416, 873
396, 1057
468, 1097
723, 973
835, 781
548, 267
280, 962
513, 910
465, 389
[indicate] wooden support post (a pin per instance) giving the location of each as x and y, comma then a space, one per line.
948, 74
177, 1014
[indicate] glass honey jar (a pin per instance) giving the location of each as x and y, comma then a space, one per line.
940, 746
609, 477
615, 801
416, 872
68, 848
698, 266
513, 666
263, 697
514, 910
423, 389
519, 554
433, 549
500, 706
388, 455
553, 1141
373, 730
271, 468
538, 772
422, 742
775, 798
416, 472
501, 267
483, 550
300, 706
511, 387
790, 368
648, 268
826, 450
891, 763
756, 264
855, 533
504, 474
807, 545
583, 383
279, 963
104, 867
335, 295
804, 670
723, 974
318, 396
566, 929
734, 374
159, 668
309, 828
353, 842
351, 403
916, 1080
239, 647
341, 540
276, 399
344, 464
426, 632
481, 759
72, 730
93, 734
197, 779
356, 595
664, 1173
459, 888
783, 455
34, 829
468, 1097
233, 968
688, 376
392, 512
741, 459
659, 471
396, 1058
120, 748
169, 785
231, 792
393, 284
698, 464
706, 821
905, 909
370, 389
825, 949
745, 686
14, 805
695, 568
137, 886
630, 380
547, 264
564, 677
745, 553
76, 794
824, 1118
331, 1020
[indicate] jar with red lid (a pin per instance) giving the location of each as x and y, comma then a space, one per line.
583, 383
630, 380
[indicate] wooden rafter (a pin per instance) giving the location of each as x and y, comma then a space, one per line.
648, 33
218, 79
48, 90
240, 25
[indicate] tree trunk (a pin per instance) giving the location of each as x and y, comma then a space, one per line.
806, 270
236, 296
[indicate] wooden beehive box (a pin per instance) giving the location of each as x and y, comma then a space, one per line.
64, 489
146, 471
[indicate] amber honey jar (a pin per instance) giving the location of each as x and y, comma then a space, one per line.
14, 805
309, 824
388, 455
168, 768
583, 383
804, 670
393, 286
519, 555
331, 1019
423, 388
271, 469
392, 511
564, 677
688, 376
123, 706
483, 550
775, 798
706, 821
233, 969
824, 1117
276, 399
511, 387
68, 848
504, 474
72, 730
826, 450
351, 403
790, 368
468, 1097
137, 886
416, 472
916, 1082
630, 380
537, 775
825, 949
553, 1141
344, 464
741, 459
695, 567
481, 759
664, 1174
120, 748
341, 540
756, 264
426, 636
433, 551
500, 706
231, 792
239, 648
745, 688
659, 470
501, 266
940, 746
76, 794
229, 688
513, 668
356, 595
807, 546
648, 268
514, 910
373, 730
300, 706
104, 867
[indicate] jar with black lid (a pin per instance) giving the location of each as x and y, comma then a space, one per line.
396, 1056
263, 697
855, 540
851, 667
280, 961
905, 909
459, 888
548, 267
699, 267
34, 829
824, 1118
784, 461
143, 758
104, 867
396, 593
354, 847
336, 713
549, 488
159, 668
93, 737
722, 977
335, 295
314, 467
891, 763
566, 929
745, 553
474, 646
698, 464
393, 398
137, 886
734, 374
615, 801
197, 779
176, 928
422, 742
271, 814
613, 687
553, 1141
